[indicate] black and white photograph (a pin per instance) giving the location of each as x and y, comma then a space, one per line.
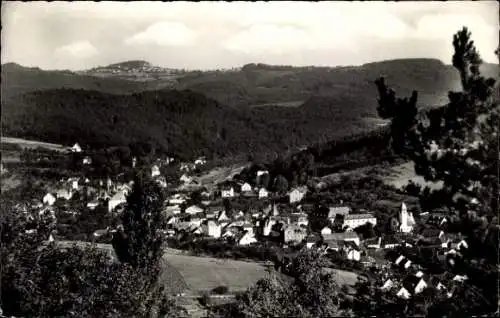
250, 159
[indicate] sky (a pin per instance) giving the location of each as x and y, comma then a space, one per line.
210, 35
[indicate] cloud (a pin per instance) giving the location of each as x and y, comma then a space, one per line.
80, 49
164, 34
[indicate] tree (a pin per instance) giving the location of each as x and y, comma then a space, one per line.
311, 293
140, 243
280, 184
458, 145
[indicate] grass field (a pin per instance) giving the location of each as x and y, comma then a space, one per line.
398, 176
23, 143
296, 103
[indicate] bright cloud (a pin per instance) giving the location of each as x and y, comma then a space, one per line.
81, 49
164, 34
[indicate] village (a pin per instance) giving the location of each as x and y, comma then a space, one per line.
197, 214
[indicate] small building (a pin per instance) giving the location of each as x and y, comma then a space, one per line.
388, 284
246, 187
247, 239
117, 199
227, 191
414, 284
49, 199
64, 194
326, 230
263, 193
297, 194
352, 250
194, 209
335, 212
87, 160
93, 204
212, 228
76, 148
403, 293
155, 171
172, 209
352, 221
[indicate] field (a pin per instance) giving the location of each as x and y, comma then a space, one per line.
296, 103
400, 175
23, 143
183, 273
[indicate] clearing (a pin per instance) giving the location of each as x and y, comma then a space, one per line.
23, 143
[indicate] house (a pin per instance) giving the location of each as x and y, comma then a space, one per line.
76, 148
227, 191
326, 231
64, 194
263, 193
247, 239
388, 284
311, 240
87, 160
155, 171
399, 260
340, 211
185, 178
407, 264
461, 244
194, 209
212, 228
414, 284
74, 183
248, 227
299, 218
352, 221
297, 194
352, 250
49, 199
223, 218
346, 236
246, 187
93, 204
117, 199
460, 278
162, 181
403, 293
200, 161
406, 220
172, 209
260, 173
177, 198
294, 233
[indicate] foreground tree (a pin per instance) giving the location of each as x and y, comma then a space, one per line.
41, 278
458, 145
312, 292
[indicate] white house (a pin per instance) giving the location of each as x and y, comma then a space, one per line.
200, 161
294, 233
263, 193
213, 229
117, 199
93, 204
194, 209
420, 286
64, 193
297, 194
246, 187
407, 264
247, 239
155, 171
87, 160
185, 179
352, 221
326, 231
399, 260
406, 220
333, 212
177, 198
76, 148
352, 250
49, 199
403, 293
387, 285
227, 192
223, 218
74, 183
173, 209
